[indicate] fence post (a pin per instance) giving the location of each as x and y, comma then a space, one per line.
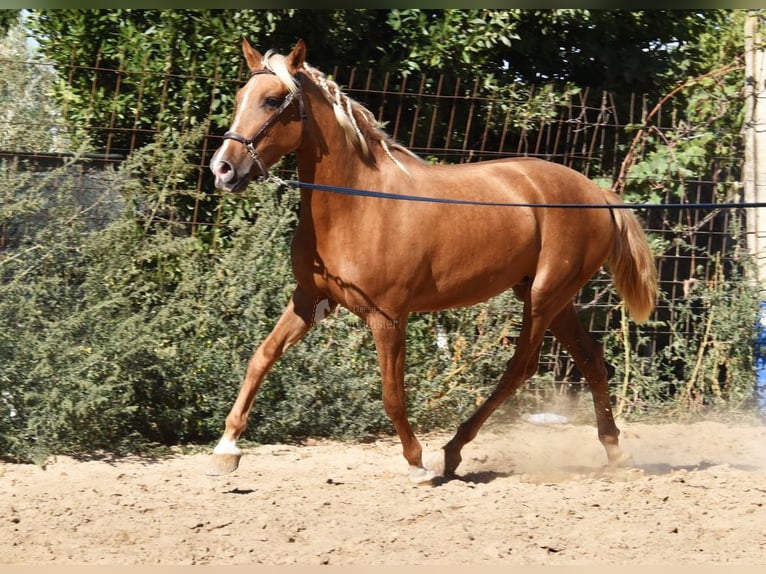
755, 177
755, 138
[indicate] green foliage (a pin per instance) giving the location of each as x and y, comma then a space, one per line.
153, 53
681, 153
459, 40
25, 89
648, 49
705, 368
707, 362
99, 327
8, 18
622, 51
190, 53
42, 314
711, 110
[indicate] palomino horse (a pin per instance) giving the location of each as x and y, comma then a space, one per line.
383, 259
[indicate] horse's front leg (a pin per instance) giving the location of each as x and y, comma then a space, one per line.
301, 313
390, 342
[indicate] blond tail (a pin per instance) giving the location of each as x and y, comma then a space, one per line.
632, 263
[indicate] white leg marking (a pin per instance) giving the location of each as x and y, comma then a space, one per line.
227, 446
434, 462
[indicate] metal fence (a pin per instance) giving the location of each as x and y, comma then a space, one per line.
444, 119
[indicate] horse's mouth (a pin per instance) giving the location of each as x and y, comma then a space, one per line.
233, 185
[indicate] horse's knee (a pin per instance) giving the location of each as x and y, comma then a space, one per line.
394, 408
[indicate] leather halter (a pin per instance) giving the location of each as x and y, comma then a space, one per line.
250, 143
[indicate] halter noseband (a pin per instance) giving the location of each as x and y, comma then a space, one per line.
250, 143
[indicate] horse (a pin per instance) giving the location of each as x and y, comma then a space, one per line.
384, 259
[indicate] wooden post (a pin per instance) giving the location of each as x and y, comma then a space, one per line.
755, 181
755, 140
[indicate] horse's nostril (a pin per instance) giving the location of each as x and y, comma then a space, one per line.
222, 170
222, 167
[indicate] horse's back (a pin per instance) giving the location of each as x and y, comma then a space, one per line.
512, 180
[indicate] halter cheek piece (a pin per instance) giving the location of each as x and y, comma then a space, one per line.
250, 143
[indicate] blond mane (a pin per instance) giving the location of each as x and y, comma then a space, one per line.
359, 125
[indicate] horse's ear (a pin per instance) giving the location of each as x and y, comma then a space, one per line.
297, 57
252, 55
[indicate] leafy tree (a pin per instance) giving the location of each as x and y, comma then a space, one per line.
140, 73
147, 70
641, 51
647, 50
156, 71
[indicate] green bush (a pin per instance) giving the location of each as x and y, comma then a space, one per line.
708, 365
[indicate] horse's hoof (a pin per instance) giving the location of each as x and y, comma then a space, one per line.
420, 475
451, 461
432, 468
220, 464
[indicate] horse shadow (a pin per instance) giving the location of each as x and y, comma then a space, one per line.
477, 477
659, 468
651, 469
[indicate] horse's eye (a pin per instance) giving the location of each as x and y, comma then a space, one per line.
271, 103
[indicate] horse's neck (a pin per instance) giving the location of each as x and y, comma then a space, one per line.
328, 158
334, 161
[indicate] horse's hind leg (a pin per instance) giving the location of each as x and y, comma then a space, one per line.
522, 365
301, 313
589, 357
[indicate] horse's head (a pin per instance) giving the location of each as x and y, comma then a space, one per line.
267, 118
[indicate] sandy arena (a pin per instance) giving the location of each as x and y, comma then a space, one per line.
526, 494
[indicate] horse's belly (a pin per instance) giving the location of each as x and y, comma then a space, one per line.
462, 284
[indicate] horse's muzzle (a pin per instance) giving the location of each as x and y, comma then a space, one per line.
228, 177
